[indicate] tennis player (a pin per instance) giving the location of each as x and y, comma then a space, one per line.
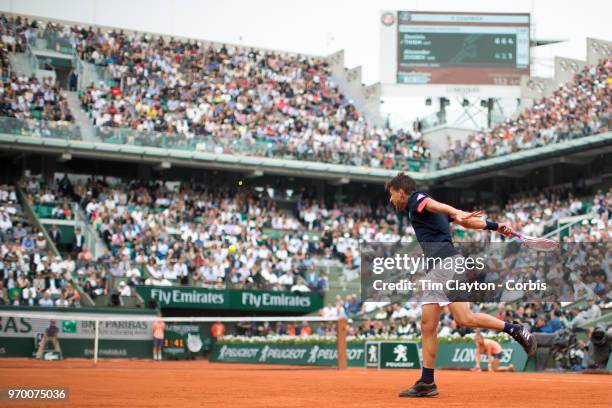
494, 352
430, 220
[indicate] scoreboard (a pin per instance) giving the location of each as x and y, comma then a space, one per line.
462, 48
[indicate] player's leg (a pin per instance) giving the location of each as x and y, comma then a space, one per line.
56, 345
464, 317
429, 333
41, 346
154, 349
495, 365
425, 386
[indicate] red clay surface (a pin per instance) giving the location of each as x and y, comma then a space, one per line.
137, 383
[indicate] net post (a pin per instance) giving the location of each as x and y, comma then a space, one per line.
341, 343
96, 339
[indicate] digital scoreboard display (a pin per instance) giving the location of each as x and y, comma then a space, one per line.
462, 48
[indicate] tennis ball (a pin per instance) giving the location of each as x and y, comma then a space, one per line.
232, 249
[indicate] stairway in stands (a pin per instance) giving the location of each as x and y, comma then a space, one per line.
88, 131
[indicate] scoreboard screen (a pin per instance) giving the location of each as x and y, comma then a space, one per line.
462, 48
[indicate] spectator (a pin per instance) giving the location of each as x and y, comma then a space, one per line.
78, 242
591, 312
553, 325
46, 300
124, 289
56, 235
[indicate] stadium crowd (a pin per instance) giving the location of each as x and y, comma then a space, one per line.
235, 100
576, 109
29, 98
180, 234
29, 273
22, 97
187, 94
158, 235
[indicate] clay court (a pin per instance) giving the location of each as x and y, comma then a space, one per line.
122, 383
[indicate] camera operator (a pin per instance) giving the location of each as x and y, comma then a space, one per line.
599, 346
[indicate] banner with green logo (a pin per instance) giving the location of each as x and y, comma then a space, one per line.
464, 355
261, 300
392, 354
76, 337
323, 354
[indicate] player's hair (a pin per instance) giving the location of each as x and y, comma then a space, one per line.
401, 182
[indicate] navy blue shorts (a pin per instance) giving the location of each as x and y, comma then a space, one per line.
499, 355
158, 342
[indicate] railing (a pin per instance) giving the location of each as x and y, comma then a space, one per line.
52, 41
568, 224
92, 239
251, 147
36, 65
90, 73
39, 128
85, 298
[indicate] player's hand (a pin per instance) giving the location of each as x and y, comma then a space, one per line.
504, 229
462, 215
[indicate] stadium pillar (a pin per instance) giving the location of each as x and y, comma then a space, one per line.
144, 172
551, 176
49, 166
341, 339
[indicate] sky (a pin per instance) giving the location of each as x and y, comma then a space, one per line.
320, 27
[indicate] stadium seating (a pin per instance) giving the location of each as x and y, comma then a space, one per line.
31, 275
184, 94
579, 109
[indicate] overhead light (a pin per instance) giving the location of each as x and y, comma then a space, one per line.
66, 156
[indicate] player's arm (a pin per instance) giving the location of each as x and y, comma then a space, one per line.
469, 220
490, 368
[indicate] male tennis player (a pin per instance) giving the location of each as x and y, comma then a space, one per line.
430, 220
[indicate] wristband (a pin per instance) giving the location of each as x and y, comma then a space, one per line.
491, 225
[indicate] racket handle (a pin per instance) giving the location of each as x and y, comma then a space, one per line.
517, 234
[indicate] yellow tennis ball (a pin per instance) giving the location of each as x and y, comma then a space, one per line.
232, 249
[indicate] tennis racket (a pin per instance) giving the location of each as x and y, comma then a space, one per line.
535, 243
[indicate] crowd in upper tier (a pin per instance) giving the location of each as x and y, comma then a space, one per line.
188, 94
577, 109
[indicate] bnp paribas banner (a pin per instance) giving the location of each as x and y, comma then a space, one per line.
324, 354
200, 298
76, 337
464, 355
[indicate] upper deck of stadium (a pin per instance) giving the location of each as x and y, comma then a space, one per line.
175, 101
